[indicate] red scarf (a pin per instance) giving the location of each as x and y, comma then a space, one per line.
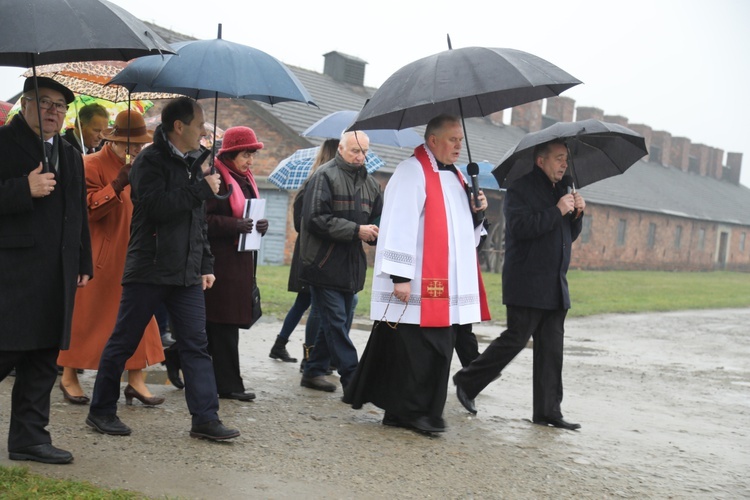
237, 198
435, 310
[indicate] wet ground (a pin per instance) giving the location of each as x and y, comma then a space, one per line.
664, 401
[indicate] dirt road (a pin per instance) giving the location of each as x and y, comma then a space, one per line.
664, 401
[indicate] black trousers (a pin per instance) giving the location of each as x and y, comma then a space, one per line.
223, 346
546, 327
467, 347
36, 373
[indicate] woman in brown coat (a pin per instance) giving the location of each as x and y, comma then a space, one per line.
229, 301
110, 211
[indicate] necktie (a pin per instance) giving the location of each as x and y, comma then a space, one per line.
48, 149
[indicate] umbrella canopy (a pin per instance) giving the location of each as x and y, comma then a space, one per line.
93, 30
596, 150
215, 68
91, 77
485, 177
331, 126
470, 81
292, 172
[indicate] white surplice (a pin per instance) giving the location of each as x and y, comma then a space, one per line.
401, 240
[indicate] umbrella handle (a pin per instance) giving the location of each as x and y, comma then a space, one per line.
197, 164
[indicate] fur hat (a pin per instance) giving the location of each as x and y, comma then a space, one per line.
239, 139
136, 134
48, 83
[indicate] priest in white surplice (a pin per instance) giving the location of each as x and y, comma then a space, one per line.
426, 282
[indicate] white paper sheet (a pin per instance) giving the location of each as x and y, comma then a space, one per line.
255, 209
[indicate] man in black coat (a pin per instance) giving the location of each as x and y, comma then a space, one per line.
45, 254
168, 261
541, 222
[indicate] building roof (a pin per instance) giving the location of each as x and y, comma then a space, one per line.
646, 186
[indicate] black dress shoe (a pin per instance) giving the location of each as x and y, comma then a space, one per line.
214, 431
465, 401
45, 453
172, 362
318, 383
392, 420
427, 424
558, 422
239, 396
108, 424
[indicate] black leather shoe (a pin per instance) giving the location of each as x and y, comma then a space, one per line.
318, 383
214, 431
108, 424
426, 424
239, 396
558, 422
392, 420
465, 401
172, 362
45, 453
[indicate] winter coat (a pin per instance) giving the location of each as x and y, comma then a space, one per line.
295, 285
538, 241
229, 301
44, 243
168, 241
337, 201
98, 302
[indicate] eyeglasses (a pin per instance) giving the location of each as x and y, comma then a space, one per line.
47, 103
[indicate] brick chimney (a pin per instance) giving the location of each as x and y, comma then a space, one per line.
701, 153
661, 148
620, 120
680, 154
584, 113
527, 116
716, 163
734, 168
561, 108
646, 132
345, 68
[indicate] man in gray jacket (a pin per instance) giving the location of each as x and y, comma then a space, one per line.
341, 206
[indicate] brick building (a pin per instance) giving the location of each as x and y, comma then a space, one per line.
681, 208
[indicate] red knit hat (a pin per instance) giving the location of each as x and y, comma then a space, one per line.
239, 139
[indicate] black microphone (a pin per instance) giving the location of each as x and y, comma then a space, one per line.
473, 170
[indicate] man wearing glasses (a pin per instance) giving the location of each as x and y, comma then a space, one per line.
45, 254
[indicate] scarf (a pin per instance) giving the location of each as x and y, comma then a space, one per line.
237, 198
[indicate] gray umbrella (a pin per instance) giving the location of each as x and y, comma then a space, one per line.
470, 81
596, 150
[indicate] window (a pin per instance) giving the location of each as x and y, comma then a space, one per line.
677, 236
742, 242
586, 229
651, 235
621, 227
701, 239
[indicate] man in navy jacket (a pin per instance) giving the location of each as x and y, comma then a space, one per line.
542, 221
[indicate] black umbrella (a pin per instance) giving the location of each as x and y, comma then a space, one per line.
470, 81
44, 32
596, 150
212, 69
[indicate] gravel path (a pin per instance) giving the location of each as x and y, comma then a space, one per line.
664, 401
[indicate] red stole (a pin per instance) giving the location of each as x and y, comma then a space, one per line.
435, 311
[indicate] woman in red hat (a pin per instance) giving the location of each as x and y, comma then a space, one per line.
110, 211
229, 301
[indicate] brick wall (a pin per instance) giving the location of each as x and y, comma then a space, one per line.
527, 116
561, 108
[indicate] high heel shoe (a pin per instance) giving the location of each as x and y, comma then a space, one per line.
131, 393
76, 400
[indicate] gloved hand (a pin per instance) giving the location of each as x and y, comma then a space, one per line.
122, 180
262, 226
244, 225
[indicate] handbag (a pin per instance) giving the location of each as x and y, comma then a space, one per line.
257, 312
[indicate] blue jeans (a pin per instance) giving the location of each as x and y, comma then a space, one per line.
332, 342
293, 317
186, 307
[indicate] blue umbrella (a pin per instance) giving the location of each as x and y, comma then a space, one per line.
485, 177
292, 172
215, 68
331, 126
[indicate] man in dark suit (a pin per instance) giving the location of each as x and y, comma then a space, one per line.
541, 222
45, 254
86, 135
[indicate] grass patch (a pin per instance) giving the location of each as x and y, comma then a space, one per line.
18, 482
592, 292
